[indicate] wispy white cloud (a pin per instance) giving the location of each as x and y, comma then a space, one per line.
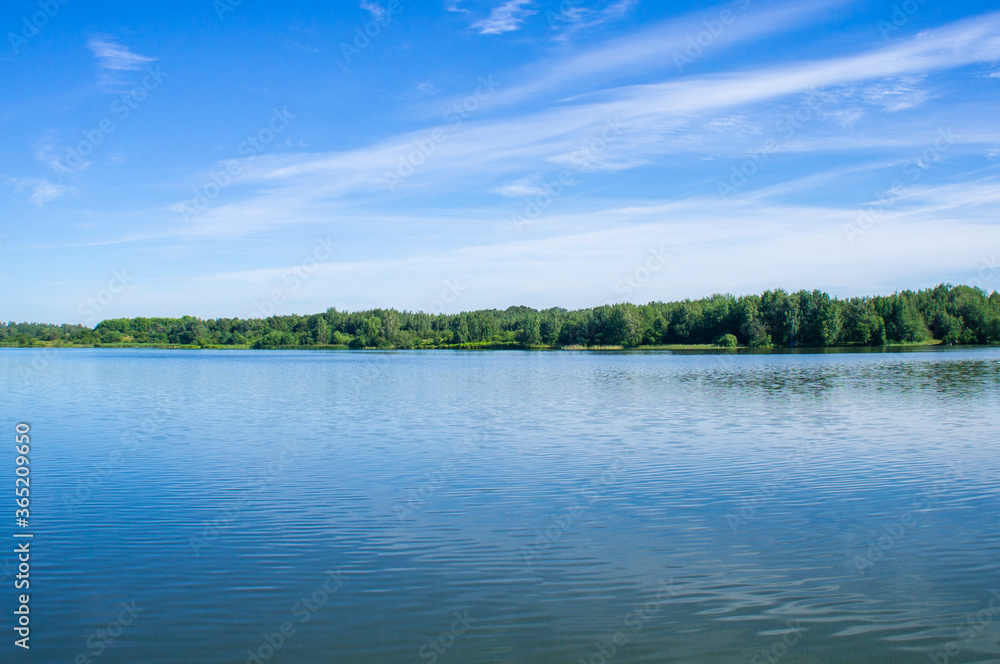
897, 95
42, 191
573, 18
618, 9
650, 50
505, 18
933, 200
847, 117
655, 115
47, 152
115, 57
575, 256
453, 216
377, 11
520, 189
115, 63
660, 119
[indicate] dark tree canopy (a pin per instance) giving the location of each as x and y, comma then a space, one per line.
950, 314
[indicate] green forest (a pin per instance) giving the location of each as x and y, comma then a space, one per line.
944, 314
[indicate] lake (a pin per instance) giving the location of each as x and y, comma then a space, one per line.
451, 507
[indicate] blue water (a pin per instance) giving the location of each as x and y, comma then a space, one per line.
506, 507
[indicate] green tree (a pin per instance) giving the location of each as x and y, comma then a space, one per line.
390, 325
322, 333
727, 341
530, 332
621, 325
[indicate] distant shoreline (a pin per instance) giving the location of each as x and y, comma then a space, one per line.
674, 348
952, 315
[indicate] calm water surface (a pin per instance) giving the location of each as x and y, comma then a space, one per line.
508, 507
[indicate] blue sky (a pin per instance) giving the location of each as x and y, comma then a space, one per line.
237, 158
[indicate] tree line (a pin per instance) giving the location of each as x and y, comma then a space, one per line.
776, 318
